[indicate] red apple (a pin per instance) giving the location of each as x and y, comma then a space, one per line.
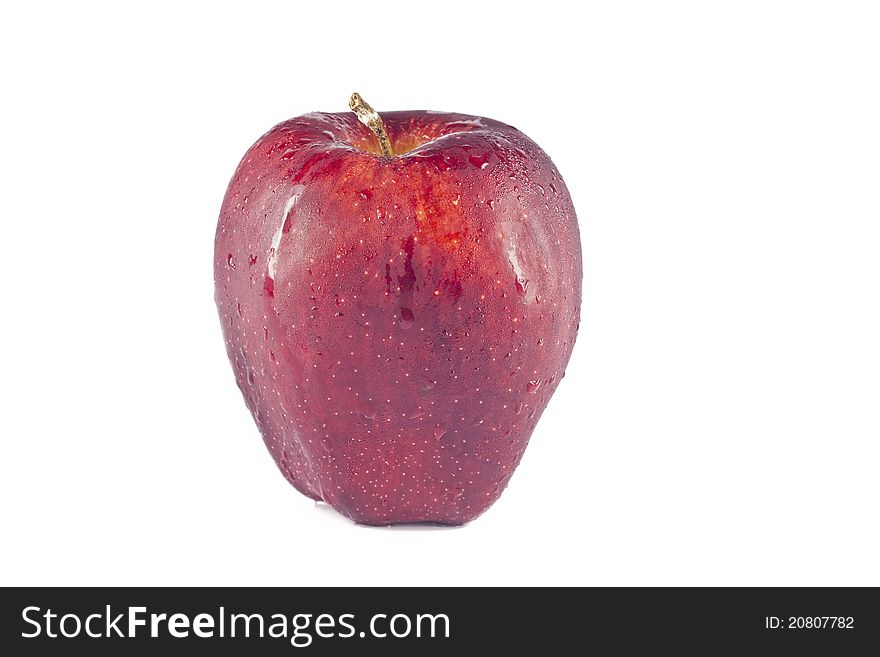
398, 323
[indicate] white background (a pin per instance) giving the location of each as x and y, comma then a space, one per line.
720, 420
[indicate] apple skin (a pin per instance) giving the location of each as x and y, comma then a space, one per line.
398, 325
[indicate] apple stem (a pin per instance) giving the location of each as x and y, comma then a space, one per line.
370, 118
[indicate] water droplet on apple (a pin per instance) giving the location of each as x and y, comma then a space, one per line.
533, 386
518, 409
475, 157
427, 384
452, 495
230, 261
521, 285
439, 431
284, 227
